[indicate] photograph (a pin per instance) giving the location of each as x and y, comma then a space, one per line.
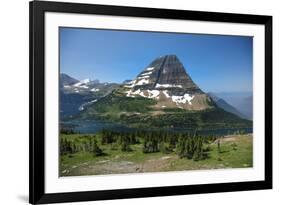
148, 101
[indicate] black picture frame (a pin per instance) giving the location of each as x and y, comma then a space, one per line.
37, 10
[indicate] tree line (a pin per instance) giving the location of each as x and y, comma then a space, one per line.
188, 145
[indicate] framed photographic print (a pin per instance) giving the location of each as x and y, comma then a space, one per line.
140, 102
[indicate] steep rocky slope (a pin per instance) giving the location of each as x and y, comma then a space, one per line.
166, 80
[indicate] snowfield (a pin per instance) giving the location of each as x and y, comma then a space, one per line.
81, 108
130, 84
142, 82
77, 84
186, 98
167, 86
147, 73
143, 77
183, 99
95, 90
153, 93
150, 68
84, 86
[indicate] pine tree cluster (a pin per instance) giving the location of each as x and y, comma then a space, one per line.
187, 145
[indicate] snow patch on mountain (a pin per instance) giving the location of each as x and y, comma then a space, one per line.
136, 92
150, 93
147, 73
131, 82
95, 90
87, 80
167, 86
150, 68
143, 77
82, 107
153, 93
186, 98
129, 93
129, 86
78, 84
142, 82
165, 92
142, 94
84, 86
183, 99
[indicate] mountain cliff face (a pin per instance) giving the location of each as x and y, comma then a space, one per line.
166, 80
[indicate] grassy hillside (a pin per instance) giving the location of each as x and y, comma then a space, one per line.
229, 152
140, 112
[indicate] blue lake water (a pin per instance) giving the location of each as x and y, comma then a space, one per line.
93, 126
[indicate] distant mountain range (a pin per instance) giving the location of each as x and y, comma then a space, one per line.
246, 106
162, 95
76, 95
224, 105
242, 101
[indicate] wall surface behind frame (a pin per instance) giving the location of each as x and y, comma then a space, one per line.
14, 100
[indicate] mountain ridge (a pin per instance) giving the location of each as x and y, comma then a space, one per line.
225, 105
163, 94
76, 95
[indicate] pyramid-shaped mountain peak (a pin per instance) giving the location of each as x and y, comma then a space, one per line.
166, 80
166, 72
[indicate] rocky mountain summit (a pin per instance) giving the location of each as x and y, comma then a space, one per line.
165, 79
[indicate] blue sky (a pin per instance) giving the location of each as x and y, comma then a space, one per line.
216, 63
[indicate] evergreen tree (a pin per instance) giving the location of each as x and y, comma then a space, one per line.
151, 143
190, 147
219, 145
181, 147
107, 137
125, 143
198, 154
96, 150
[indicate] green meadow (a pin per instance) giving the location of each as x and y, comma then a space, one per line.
116, 153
